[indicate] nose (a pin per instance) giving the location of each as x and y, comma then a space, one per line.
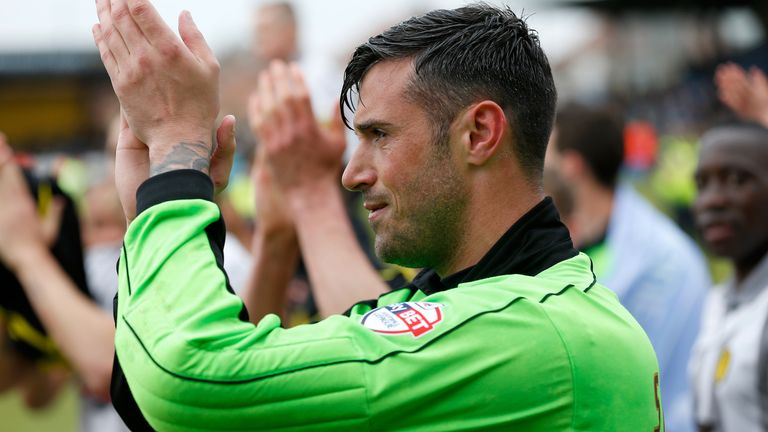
359, 174
711, 196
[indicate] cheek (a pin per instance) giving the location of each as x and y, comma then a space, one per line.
755, 210
406, 191
696, 206
405, 182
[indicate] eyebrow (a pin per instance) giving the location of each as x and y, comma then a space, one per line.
370, 124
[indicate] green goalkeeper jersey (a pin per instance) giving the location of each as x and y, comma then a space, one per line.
526, 340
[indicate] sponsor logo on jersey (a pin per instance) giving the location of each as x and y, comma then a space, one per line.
416, 318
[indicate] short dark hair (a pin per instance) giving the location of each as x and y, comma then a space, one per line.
466, 55
597, 134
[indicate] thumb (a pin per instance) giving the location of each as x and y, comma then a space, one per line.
225, 135
192, 37
224, 155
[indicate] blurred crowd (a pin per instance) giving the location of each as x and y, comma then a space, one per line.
674, 218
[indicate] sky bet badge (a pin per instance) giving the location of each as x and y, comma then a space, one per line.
416, 318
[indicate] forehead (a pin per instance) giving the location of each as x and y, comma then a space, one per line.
383, 92
735, 147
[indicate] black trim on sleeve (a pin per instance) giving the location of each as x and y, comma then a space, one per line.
119, 392
173, 185
216, 233
169, 186
123, 401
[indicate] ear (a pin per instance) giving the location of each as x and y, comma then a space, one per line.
482, 130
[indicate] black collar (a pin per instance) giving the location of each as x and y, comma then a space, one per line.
537, 241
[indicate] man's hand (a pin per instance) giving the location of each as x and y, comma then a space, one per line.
168, 90
304, 160
274, 246
299, 152
132, 162
19, 229
168, 87
746, 93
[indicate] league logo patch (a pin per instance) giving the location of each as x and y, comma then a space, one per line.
416, 318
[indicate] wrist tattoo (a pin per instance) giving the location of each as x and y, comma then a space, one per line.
184, 155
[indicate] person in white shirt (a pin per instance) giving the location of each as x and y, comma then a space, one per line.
729, 367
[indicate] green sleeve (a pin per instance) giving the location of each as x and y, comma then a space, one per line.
193, 363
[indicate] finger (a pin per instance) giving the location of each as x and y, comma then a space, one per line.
149, 21
721, 73
225, 136
301, 91
740, 83
729, 74
257, 163
254, 115
106, 55
757, 75
109, 33
123, 21
730, 79
10, 172
5, 150
194, 39
282, 85
266, 98
731, 68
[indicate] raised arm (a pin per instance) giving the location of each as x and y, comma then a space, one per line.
305, 160
745, 92
190, 358
275, 247
150, 67
82, 331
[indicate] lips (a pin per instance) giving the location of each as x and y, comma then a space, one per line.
375, 209
373, 206
717, 232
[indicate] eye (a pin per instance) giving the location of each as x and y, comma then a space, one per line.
378, 134
736, 178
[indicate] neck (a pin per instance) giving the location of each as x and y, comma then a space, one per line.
743, 268
592, 212
489, 215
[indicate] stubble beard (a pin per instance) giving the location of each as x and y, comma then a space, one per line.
426, 234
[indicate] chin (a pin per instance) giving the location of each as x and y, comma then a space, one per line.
725, 250
386, 255
392, 255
